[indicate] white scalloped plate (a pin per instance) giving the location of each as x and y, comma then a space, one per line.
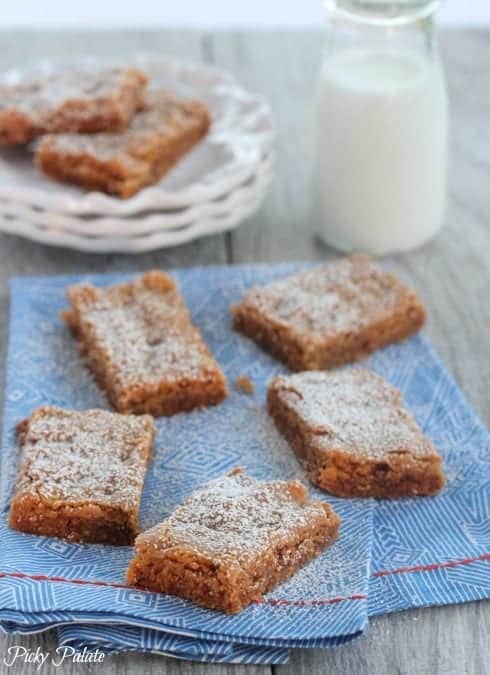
141, 234
240, 136
140, 224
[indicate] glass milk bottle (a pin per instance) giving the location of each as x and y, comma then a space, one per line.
380, 130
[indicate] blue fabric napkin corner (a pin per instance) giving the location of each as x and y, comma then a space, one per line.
391, 555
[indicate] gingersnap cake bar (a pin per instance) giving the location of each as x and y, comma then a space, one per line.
353, 434
233, 540
329, 315
81, 474
139, 342
121, 164
74, 101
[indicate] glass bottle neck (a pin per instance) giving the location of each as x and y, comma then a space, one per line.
388, 13
347, 32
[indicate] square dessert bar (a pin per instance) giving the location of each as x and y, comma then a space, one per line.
73, 101
121, 164
329, 315
139, 342
81, 474
233, 540
354, 436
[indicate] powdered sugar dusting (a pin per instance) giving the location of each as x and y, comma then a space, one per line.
92, 456
164, 117
192, 448
347, 294
354, 410
236, 517
41, 96
145, 330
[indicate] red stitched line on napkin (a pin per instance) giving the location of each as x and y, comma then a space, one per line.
115, 584
81, 582
433, 566
272, 602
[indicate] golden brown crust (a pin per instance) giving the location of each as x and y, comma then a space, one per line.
331, 315
72, 102
81, 475
139, 342
232, 541
353, 435
84, 522
121, 164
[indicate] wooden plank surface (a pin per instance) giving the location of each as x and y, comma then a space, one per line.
452, 274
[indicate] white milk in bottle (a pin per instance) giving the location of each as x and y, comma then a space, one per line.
380, 131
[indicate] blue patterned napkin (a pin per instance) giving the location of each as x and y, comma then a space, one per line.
425, 551
48, 581
435, 551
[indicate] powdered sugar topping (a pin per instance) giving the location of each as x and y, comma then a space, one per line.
92, 456
354, 410
43, 95
164, 117
344, 295
235, 517
145, 332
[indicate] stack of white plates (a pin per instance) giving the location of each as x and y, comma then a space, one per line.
214, 188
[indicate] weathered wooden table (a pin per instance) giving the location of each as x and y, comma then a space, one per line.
452, 274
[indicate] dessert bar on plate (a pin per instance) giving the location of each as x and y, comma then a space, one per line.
81, 474
139, 342
121, 164
353, 434
74, 101
233, 540
329, 315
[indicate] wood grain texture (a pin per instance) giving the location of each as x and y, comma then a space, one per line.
452, 274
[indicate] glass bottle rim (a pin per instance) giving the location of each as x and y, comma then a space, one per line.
381, 12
